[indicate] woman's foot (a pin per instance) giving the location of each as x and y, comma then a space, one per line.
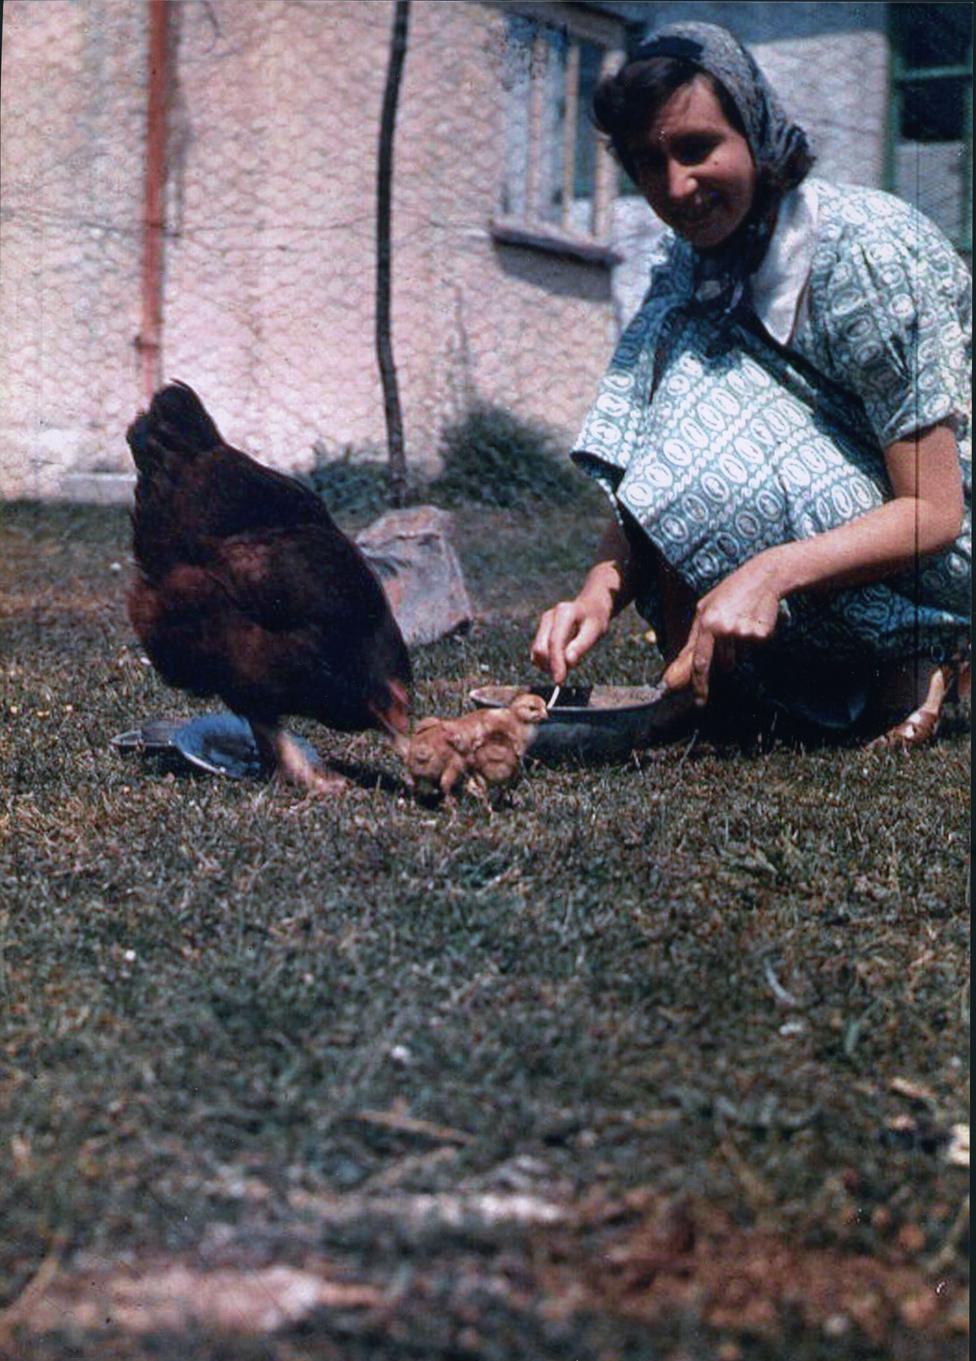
917, 730
921, 726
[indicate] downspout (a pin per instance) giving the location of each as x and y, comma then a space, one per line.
149, 340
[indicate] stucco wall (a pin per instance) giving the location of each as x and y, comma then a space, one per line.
270, 280
269, 251
72, 90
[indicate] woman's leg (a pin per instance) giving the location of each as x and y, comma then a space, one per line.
677, 607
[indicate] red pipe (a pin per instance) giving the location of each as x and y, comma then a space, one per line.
149, 339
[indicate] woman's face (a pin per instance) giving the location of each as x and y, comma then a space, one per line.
693, 167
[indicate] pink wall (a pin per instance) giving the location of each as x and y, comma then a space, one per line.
269, 268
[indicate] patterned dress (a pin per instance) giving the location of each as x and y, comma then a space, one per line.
718, 442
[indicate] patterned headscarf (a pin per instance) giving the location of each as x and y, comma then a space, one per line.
772, 137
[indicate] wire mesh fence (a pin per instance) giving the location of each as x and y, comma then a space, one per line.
518, 249
73, 109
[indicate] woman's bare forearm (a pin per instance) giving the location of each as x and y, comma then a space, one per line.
879, 544
608, 580
924, 517
567, 631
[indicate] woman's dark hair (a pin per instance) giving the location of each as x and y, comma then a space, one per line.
625, 105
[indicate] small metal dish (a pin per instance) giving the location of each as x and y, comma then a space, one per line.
595, 722
224, 744
221, 744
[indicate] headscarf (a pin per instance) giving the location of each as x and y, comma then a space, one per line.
773, 139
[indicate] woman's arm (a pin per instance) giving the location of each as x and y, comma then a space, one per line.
923, 517
568, 630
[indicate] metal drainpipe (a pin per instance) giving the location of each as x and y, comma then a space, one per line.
149, 340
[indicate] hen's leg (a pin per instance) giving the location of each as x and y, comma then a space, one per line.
477, 785
286, 758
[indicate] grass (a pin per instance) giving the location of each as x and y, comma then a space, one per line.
616, 1074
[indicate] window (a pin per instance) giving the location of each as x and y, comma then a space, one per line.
931, 121
558, 184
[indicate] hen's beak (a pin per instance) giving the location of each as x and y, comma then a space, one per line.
395, 718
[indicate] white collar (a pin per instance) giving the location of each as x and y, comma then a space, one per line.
778, 285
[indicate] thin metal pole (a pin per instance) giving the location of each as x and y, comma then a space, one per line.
384, 193
149, 340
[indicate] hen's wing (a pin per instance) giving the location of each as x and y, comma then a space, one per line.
295, 576
241, 496
185, 509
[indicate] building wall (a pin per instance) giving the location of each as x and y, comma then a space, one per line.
270, 246
72, 113
271, 266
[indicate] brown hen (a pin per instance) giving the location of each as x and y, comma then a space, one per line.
247, 590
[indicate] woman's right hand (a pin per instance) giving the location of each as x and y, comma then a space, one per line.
568, 631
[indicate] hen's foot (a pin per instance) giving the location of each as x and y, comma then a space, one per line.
289, 762
321, 782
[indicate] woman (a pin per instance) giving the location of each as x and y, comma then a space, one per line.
784, 429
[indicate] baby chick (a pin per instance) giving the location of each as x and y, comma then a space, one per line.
496, 759
486, 746
522, 719
435, 757
493, 763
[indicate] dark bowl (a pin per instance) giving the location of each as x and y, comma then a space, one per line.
223, 744
595, 722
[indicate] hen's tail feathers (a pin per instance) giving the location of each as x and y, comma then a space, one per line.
176, 423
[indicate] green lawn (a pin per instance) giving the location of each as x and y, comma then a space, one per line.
658, 1062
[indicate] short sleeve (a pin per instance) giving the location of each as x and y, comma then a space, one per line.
890, 312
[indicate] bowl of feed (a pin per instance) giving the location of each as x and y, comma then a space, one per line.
595, 722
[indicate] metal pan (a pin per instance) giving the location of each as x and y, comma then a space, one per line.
596, 722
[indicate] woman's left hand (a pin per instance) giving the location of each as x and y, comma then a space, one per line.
741, 609
924, 516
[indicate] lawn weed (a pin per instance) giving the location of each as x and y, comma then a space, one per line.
492, 457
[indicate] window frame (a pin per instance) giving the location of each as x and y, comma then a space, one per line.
530, 228
900, 74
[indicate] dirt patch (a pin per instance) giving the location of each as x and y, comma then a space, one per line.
683, 1257
645, 1261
